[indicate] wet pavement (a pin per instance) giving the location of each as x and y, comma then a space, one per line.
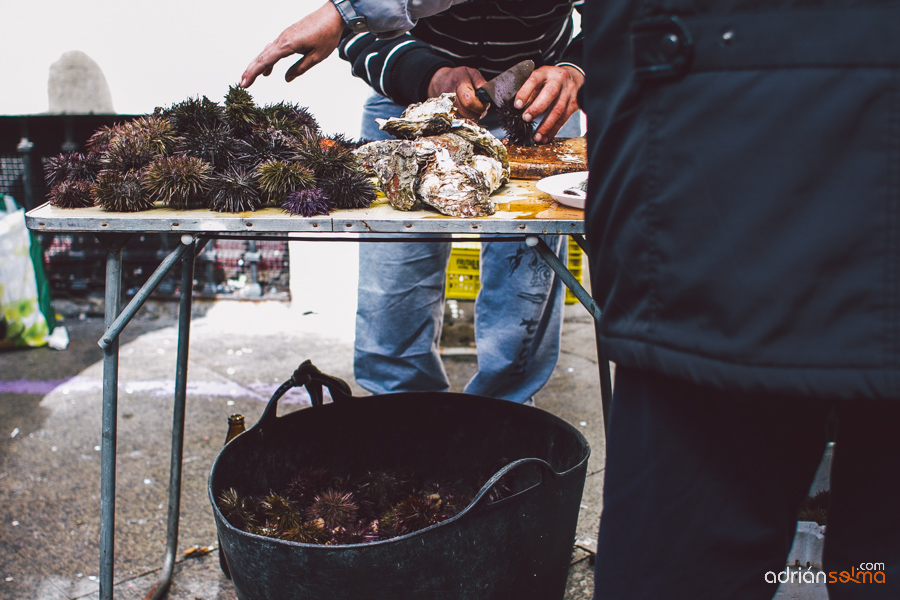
240, 351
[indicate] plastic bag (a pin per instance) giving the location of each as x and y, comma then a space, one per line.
24, 323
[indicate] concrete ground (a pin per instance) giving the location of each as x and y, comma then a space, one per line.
240, 351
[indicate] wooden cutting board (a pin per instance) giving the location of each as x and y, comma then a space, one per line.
559, 156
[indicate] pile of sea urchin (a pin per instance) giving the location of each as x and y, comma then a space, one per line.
232, 157
318, 507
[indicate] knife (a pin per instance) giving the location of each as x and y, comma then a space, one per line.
504, 86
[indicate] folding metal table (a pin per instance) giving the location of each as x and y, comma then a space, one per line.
523, 213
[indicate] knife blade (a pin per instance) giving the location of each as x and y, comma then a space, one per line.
504, 86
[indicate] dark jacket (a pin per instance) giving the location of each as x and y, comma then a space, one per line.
488, 35
743, 218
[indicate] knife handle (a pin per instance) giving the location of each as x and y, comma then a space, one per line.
482, 95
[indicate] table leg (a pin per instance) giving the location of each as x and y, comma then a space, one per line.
121, 321
570, 281
582, 295
184, 329
115, 322
110, 401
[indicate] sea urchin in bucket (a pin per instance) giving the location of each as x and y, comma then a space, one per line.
515, 544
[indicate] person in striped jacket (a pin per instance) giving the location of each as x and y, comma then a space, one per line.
518, 312
519, 309
457, 50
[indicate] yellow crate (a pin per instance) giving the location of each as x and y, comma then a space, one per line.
575, 264
464, 270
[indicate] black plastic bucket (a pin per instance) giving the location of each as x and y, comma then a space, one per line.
517, 548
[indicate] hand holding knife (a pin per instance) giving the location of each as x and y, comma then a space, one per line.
504, 86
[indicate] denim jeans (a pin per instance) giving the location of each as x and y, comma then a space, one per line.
518, 311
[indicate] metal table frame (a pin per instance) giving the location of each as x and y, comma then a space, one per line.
529, 216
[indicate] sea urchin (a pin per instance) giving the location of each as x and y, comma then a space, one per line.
307, 203
519, 131
181, 182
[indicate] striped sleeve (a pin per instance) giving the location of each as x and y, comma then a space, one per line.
390, 18
573, 55
400, 68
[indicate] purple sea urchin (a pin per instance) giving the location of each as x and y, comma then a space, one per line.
348, 188
324, 156
86, 169
99, 141
181, 182
118, 191
339, 172
212, 143
306, 483
335, 507
234, 190
263, 145
291, 118
519, 131
130, 150
318, 507
307, 203
56, 168
72, 194
277, 179
194, 114
411, 514
72, 166
378, 490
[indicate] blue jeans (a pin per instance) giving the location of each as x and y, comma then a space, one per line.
518, 312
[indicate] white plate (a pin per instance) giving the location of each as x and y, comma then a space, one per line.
555, 185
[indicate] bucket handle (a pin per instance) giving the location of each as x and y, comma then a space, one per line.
484, 492
310, 376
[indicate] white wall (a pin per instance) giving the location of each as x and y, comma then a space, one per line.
160, 52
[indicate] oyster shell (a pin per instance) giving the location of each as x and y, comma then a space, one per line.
484, 141
398, 171
398, 163
458, 190
454, 171
459, 148
372, 152
491, 169
432, 117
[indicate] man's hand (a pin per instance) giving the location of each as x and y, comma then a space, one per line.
315, 36
462, 81
550, 91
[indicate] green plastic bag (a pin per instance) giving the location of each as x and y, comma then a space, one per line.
24, 293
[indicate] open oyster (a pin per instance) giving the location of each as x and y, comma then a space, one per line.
432, 117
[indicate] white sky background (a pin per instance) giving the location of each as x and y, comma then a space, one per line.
164, 51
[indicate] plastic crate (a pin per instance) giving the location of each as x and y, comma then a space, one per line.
576, 266
464, 270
